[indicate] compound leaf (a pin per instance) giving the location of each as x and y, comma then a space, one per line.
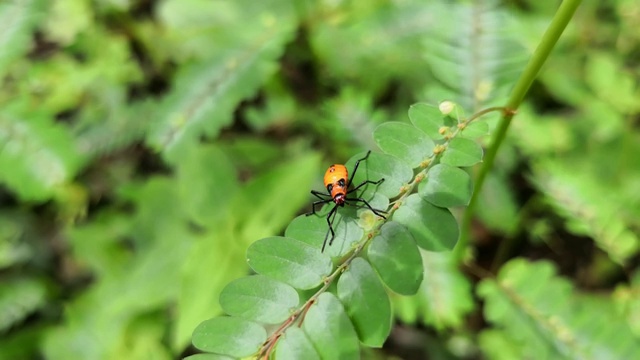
295, 345
427, 118
394, 171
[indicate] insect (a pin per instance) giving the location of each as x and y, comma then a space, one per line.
337, 181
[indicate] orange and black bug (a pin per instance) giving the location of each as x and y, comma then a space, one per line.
337, 181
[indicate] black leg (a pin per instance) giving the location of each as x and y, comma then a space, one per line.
330, 221
320, 195
365, 183
375, 211
355, 168
316, 203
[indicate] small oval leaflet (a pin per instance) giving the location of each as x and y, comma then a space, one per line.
395, 256
434, 228
366, 302
446, 186
312, 230
427, 118
290, 261
395, 172
404, 141
259, 298
330, 329
295, 345
229, 336
462, 152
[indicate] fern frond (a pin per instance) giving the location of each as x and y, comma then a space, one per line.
547, 318
470, 51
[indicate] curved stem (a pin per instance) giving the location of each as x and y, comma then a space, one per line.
549, 39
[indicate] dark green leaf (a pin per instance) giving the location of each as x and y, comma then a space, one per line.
330, 330
462, 152
229, 336
427, 118
446, 186
295, 345
366, 302
289, 260
433, 228
404, 142
395, 256
259, 298
395, 172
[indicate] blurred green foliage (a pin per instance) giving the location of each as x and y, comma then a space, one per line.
146, 144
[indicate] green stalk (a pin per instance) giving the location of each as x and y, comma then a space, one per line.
549, 40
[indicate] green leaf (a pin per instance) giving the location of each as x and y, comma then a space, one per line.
259, 298
37, 156
330, 330
229, 336
313, 229
205, 94
462, 152
289, 260
208, 357
433, 228
542, 313
19, 298
395, 172
427, 118
476, 129
446, 186
295, 345
404, 142
396, 258
18, 19
366, 302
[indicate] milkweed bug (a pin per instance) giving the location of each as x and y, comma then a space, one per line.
337, 181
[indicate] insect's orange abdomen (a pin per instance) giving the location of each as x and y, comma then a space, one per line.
336, 179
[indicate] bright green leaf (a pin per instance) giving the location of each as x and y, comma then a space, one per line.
446, 186
18, 19
366, 302
434, 228
259, 298
395, 172
295, 345
462, 152
289, 260
427, 118
205, 94
404, 142
229, 336
330, 330
396, 258
36, 155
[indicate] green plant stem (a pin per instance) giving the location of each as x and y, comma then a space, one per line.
549, 40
